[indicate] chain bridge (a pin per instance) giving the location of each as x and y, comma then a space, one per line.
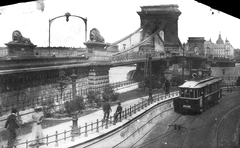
37, 69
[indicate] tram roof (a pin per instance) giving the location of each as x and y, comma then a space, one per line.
200, 83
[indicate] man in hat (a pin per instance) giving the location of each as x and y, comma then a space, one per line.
11, 125
118, 112
106, 110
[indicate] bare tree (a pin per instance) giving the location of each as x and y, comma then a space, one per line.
62, 85
19, 92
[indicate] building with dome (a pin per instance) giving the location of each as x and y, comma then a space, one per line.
219, 49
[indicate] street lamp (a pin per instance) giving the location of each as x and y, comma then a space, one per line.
67, 15
183, 63
75, 130
74, 78
150, 99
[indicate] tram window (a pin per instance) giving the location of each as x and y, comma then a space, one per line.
206, 90
191, 93
210, 88
196, 93
186, 93
182, 92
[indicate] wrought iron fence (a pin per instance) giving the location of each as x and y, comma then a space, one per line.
94, 127
30, 103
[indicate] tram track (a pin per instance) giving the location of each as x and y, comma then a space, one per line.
167, 133
184, 135
186, 131
186, 127
220, 122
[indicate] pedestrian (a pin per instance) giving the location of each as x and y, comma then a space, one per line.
118, 112
106, 110
37, 133
12, 125
167, 88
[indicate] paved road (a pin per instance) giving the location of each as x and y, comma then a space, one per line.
214, 128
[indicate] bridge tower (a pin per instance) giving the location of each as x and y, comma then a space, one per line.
162, 19
155, 16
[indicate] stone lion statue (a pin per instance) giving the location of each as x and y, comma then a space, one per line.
18, 38
95, 36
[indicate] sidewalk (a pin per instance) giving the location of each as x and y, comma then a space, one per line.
90, 118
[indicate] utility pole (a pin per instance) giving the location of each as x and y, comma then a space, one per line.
183, 63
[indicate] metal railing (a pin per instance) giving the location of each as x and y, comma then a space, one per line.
94, 127
29, 103
132, 56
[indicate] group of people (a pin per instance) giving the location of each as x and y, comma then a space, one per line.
107, 109
12, 125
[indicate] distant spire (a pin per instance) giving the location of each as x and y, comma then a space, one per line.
226, 40
220, 41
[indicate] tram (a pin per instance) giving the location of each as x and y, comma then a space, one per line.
197, 95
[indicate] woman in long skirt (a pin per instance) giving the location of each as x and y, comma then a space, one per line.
37, 133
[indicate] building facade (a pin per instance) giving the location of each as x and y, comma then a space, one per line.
219, 49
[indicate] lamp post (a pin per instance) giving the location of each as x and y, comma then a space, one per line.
183, 48
74, 78
150, 99
75, 130
67, 15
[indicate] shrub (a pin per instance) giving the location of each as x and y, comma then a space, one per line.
68, 107
94, 98
48, 106
109, 94
74, 105
114, 96
79, 103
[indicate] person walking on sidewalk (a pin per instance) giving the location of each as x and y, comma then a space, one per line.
12, 125
37, 133
118, 112
106, 110
166, 88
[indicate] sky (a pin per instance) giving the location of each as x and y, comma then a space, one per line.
114, 19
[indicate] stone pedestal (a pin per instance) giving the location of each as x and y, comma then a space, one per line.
95, 46
97, 51
20, 50
98, 78
75, 131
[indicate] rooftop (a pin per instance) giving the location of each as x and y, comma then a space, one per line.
170, 7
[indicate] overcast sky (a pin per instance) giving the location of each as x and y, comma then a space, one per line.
114, 19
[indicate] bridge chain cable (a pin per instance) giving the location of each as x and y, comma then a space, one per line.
128, 36
142, 42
